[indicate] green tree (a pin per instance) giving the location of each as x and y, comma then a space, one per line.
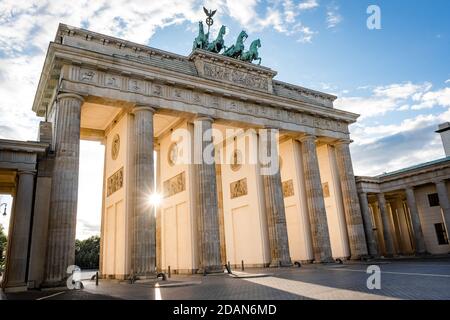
3, 243
87, 253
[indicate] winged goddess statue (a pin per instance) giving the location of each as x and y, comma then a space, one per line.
209, 15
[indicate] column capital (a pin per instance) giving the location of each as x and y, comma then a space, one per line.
268, 127
380, 195
68, 95
142, 107
203, 117
342, 142
439, 181
306, 137
31, 172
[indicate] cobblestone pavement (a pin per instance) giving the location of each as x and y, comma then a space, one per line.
400, 279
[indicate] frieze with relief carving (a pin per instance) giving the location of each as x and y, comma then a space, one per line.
238, 188
114, 182
249, 80
174, 185
149, 88
288, 188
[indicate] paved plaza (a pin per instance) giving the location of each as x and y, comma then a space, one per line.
400, 279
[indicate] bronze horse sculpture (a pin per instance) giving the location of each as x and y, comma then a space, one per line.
252, 53
217, 45
201, 41
236, 50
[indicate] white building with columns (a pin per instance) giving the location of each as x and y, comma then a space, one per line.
408, 211
136, 100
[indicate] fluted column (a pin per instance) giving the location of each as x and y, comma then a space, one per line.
353, 218
388, 232
316, 203
274, 202
419, 241
441, 189
64, 191
207, 205
368, 227
17, 260
144, 221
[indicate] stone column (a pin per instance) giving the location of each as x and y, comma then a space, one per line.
207, 205
419, 241
144, 221
355, 227
274, 201
368, 227
64, 191
388, 232
17, 261
223, 250
441, 189
316, 203
158, 209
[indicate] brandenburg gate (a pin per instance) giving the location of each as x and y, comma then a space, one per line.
157, 114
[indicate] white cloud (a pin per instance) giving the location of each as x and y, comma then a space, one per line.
308, 4
433, 98
283, 16
401, 91
382, 143
333, 16
90, 189
393, 97
384, 148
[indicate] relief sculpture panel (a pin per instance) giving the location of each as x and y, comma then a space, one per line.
237, 77
238, 188
114, 182
174, 185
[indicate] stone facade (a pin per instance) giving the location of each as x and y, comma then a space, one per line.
407, 210
134, 99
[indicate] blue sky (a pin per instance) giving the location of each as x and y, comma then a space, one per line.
397, 78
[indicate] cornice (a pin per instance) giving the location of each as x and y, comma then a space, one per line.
70, 55
23, 146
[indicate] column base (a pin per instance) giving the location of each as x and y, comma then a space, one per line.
20, 287
54, 284
324, 260
210, 270
360, 257
278, 263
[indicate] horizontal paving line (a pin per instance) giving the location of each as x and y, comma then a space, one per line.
50, 296
315, 291
398, 273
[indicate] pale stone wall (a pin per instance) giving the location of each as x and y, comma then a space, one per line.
178, 228
297, 218
428, 217
333, 202
249, 244
116, 216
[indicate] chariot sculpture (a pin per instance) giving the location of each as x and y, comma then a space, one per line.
236, 51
